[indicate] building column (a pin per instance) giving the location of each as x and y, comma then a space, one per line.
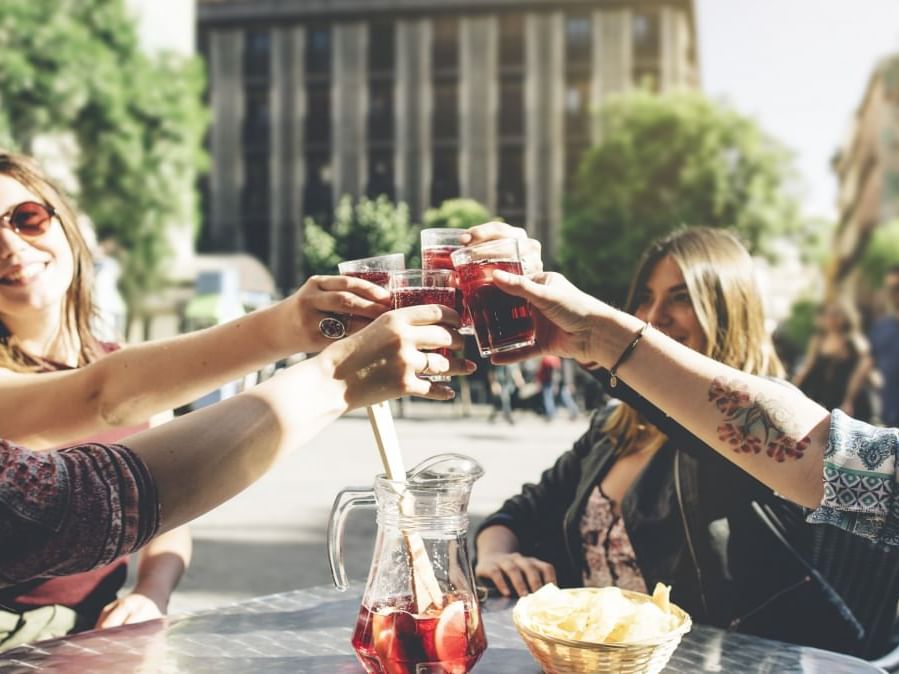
544, 127
287, 171
672, 49
226, 131
613, 58
412, 121
349, 96
478, 108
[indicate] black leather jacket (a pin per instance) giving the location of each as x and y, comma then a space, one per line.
733, 552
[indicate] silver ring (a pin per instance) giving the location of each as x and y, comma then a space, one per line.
427, 369
332, 328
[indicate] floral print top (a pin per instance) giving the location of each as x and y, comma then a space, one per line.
861, 483
62, 512
609, 556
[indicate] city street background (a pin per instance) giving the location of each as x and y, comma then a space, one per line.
272, 537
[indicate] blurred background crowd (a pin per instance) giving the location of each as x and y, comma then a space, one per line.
221, 151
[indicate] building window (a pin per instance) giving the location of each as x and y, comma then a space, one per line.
647, 37
578, 71
381, 48
445, 184
256, 206
511, 191
578, 40
318, 115
445, 54
510, 186
257, 61
257, 119
511, 41
318, 50
381, 80
380, 174
318, 197
446, 110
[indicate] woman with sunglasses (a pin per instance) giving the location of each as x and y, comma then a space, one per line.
67, 511
59, 384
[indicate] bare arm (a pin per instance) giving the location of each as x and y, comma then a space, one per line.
129, 386
860, 375
773, 432
500, 562
162, 563
810, 356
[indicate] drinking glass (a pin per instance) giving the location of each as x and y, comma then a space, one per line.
502, 322
425, 286
437, 243
375, 269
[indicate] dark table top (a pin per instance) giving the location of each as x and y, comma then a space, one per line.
308, 632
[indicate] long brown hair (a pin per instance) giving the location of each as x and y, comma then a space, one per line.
719, 275
77, 306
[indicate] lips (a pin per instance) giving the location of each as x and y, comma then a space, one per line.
22, 275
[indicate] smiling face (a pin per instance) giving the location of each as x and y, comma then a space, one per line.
664, 301
35, 273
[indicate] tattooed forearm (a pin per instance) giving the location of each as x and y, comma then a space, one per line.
753, 426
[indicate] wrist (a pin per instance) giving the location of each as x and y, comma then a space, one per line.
154, 592
333, 386
610, 333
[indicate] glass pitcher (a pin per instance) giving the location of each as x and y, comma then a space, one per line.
419, 612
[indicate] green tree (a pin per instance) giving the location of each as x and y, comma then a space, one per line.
881, 253
457, 214
663, 162
362, 229
75, 66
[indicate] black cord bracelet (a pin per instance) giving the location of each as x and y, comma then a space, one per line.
613, 371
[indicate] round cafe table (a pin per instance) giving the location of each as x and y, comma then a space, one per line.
308, 632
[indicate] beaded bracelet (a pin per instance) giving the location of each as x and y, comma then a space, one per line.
613, 371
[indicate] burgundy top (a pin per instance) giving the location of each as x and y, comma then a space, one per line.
607, 548
62, 512
86, 592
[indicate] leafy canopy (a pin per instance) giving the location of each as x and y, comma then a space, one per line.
663, 162
75, 66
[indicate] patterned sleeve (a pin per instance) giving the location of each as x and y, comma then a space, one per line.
73, 510
860, 480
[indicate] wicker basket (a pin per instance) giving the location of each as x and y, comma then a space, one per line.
564, 656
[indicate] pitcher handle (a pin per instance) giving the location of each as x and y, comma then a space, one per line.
346, 500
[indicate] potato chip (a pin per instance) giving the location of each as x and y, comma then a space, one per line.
598, 615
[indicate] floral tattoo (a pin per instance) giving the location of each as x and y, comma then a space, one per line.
749, 426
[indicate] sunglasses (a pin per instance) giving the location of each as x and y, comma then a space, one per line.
30, 219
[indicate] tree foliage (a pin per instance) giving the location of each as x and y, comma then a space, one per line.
457, 214
75, 66
362, 229
666, 161
881, 253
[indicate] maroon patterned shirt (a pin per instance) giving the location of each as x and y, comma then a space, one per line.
72, 510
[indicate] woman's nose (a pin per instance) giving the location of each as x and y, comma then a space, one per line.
657, 313
10, 242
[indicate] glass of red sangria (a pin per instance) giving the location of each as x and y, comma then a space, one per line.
501, 321
412, 287
419, 612
437, 243
375, 269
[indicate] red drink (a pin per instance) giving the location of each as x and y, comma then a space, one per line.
412, 297
502, 322
438, 257
392, 639
380, 278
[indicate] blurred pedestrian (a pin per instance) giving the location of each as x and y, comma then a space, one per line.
504, 381
838, 365
884, 336
567, 387
549, 375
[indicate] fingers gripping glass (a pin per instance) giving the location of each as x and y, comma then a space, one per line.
30, 219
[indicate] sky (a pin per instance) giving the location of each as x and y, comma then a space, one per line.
800, 68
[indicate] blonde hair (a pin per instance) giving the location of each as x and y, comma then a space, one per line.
77, 305
718, 272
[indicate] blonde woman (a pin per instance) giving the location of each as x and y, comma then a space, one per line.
637, 500
838, 364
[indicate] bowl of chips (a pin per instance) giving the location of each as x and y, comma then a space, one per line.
589, 630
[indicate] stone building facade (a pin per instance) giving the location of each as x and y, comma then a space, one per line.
421, 100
